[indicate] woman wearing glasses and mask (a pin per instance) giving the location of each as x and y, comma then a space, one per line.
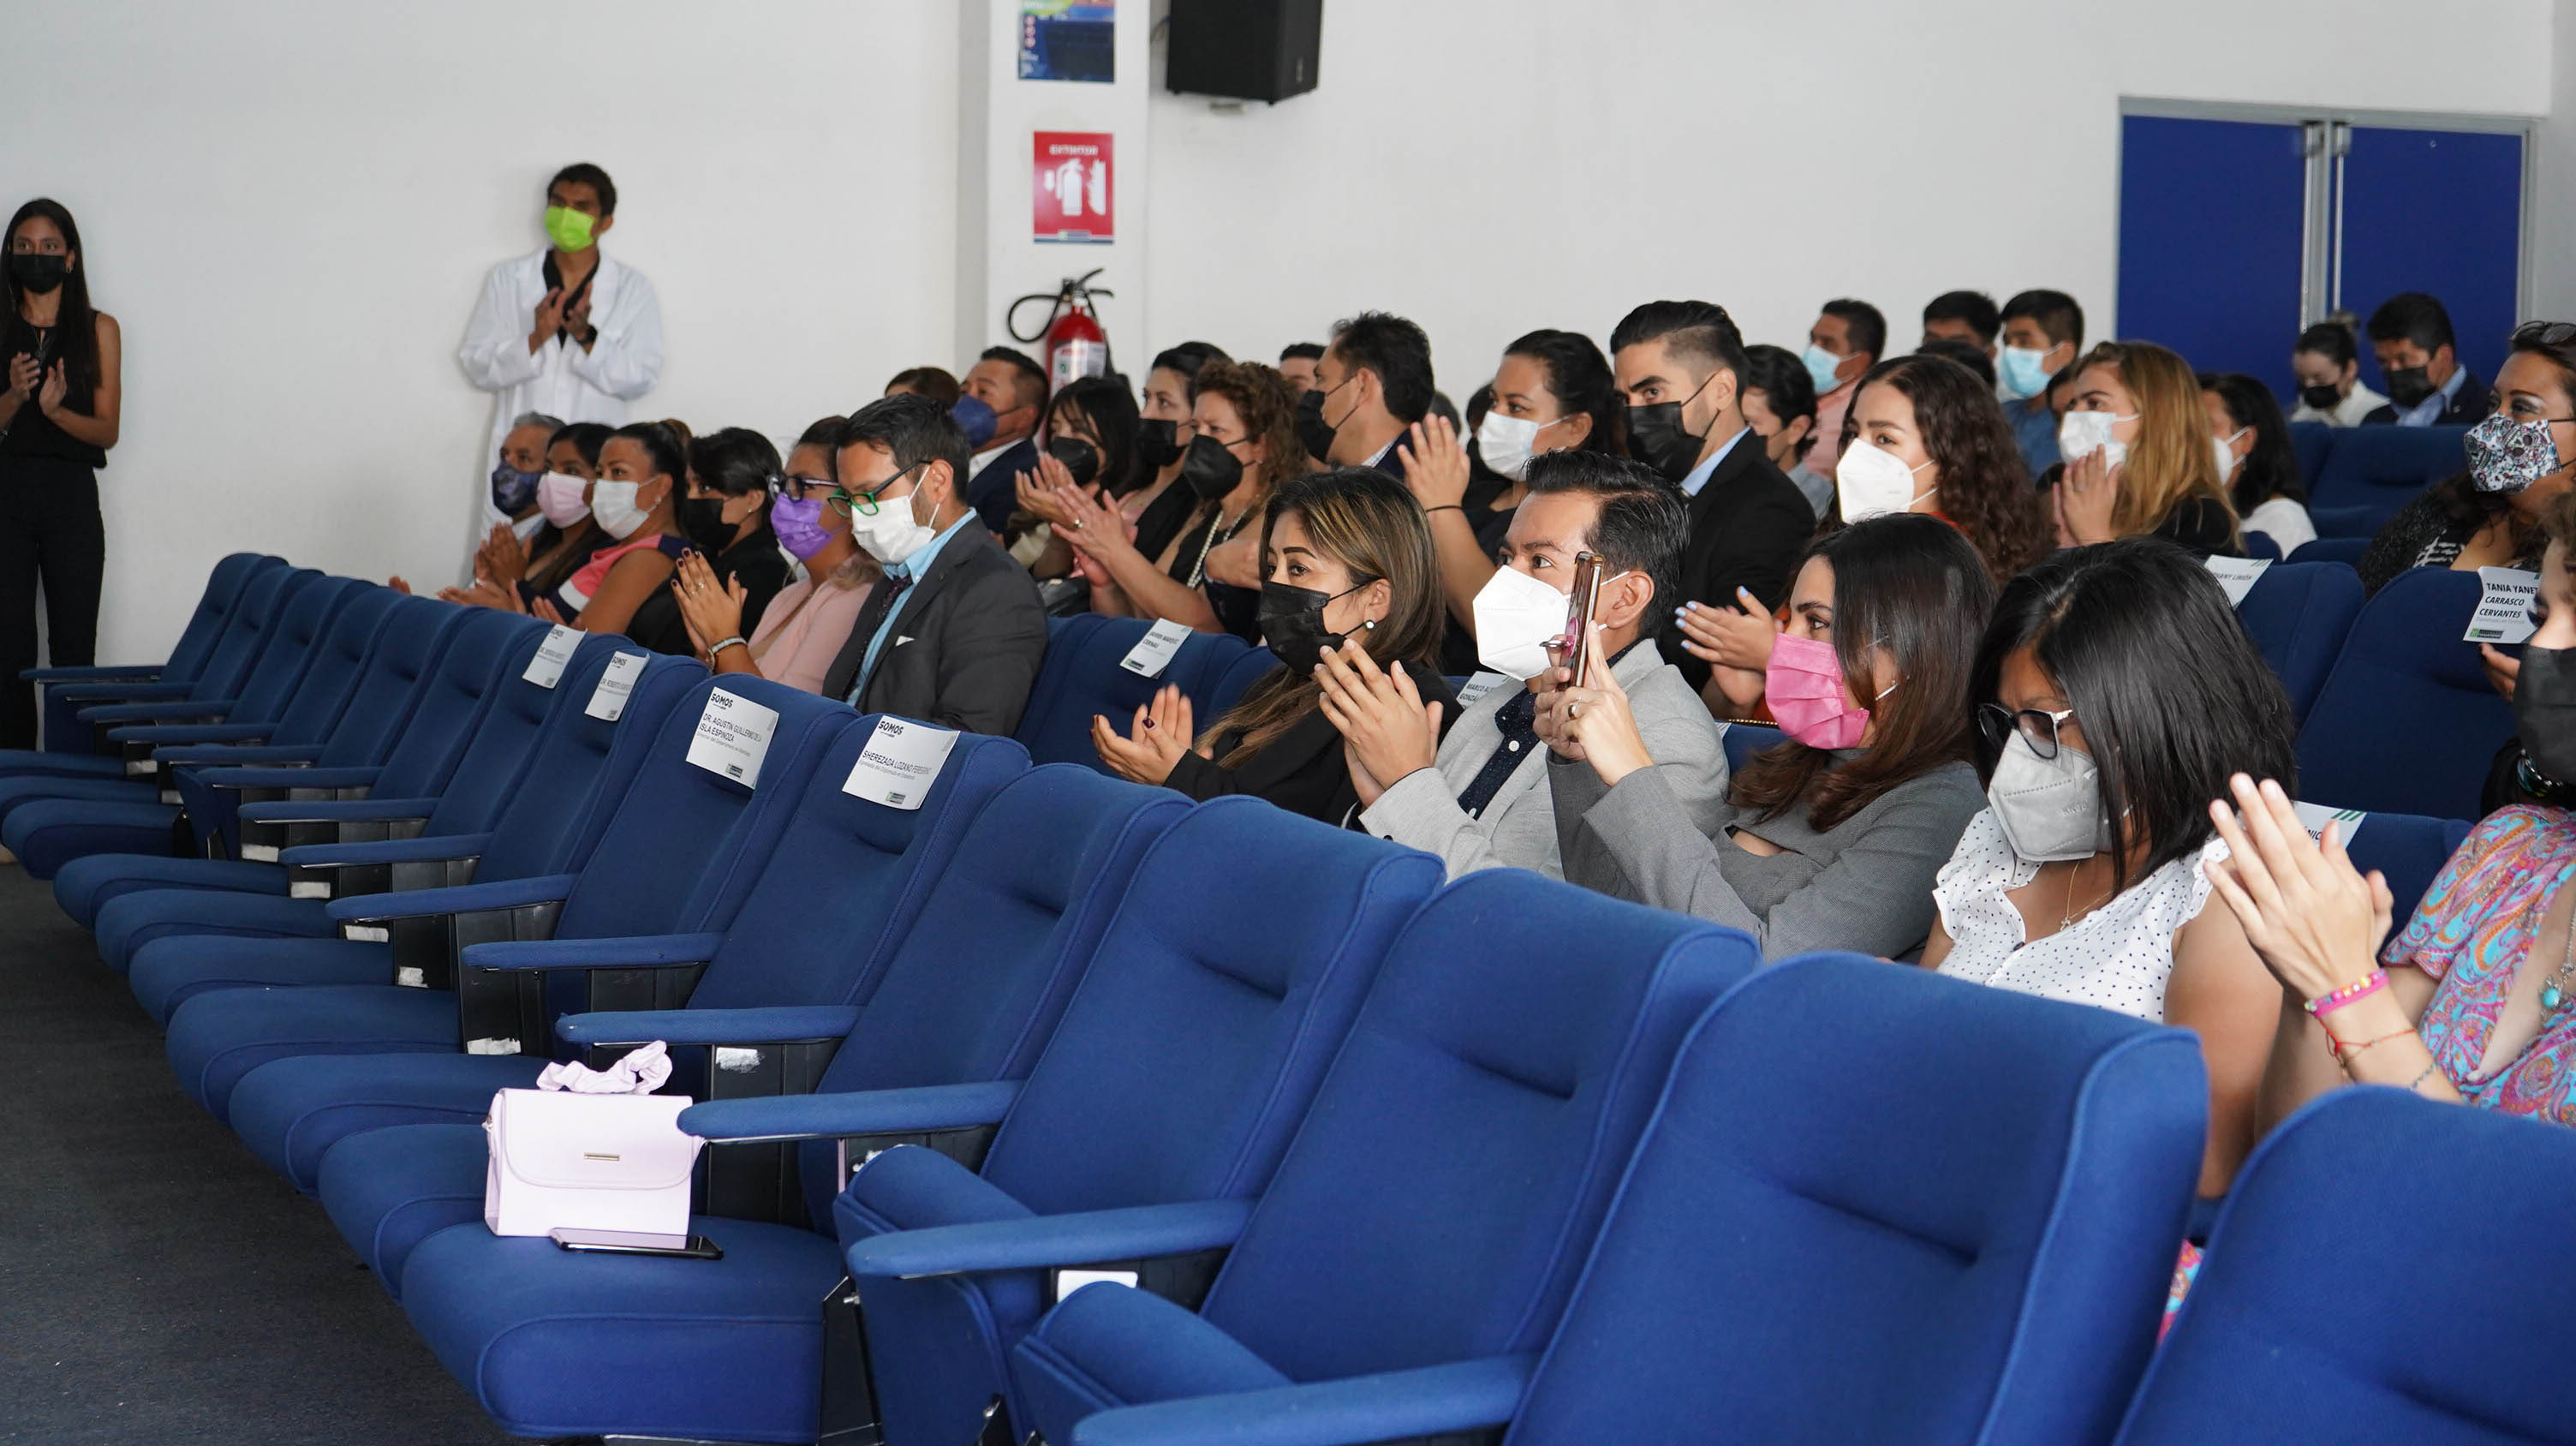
2117, 694
804, 626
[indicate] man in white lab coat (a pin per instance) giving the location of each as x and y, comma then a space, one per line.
565, 331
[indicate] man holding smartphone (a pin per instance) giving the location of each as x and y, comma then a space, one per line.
1480, 799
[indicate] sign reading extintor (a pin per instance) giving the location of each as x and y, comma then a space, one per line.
1076, 194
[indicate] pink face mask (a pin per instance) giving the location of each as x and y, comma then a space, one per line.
559, 498
1804, 686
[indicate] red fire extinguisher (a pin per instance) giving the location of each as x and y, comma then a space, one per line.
1075, 345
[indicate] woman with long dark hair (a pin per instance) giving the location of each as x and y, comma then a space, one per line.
2251, 444
1830, 840
57, 420
2521, 459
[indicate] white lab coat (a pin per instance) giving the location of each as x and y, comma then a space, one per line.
559, 379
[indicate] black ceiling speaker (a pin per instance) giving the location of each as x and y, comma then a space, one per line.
1244, 49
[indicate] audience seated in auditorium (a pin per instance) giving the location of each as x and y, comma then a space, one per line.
2427, 386
1847, 339
1090, 443
565, 538
1830, 840
1243, 447
2251, 445
2043, 335
2138, 459
1780, 407
1350, 567
635, 502
1297, 364
954, 632
936, 383
2522, 457
725, 518
2328, 365
1479, 798
2116, 692
1968, 316
806, 625
1682, 366
1373, 381
1005, 397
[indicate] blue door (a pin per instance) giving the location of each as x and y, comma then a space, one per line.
2213, 230
2436, 211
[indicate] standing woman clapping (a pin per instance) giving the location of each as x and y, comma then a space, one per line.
57, 420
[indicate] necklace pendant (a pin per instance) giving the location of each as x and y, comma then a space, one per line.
2550, 998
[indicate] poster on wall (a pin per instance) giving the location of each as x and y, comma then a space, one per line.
1069, 40
1076, 196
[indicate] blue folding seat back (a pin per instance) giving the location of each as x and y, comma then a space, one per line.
1240, 675
217, 608
1081, 679
2410, 851
2311, 442
2262, 547
1439, 1199
2453, 1335
2298, 615
1050, 694
2346, 550
1877, 1204
2372, 471
1743, 741
2406, 722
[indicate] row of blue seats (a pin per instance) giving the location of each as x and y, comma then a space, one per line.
2357, 477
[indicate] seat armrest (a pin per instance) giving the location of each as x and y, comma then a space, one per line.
428, 849
1049, 1242
810, 1024
101, 694
645, 951
173, 708
339, 810
1442, 1400
168, 735
94, 672
839, 1116
232, 776
455, 899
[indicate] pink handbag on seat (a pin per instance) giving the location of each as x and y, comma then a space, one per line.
587, 1161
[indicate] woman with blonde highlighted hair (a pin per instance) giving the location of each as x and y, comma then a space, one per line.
2138, 454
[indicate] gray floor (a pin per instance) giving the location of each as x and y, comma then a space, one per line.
157, 1283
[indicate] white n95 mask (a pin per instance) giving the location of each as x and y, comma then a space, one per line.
1517, 616
1871, 481
2048, 809
2083, 433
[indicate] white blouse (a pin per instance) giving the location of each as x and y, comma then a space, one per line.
2117, 957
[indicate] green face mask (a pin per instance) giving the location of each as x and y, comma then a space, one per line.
567, 228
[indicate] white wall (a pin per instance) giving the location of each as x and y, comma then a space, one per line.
290, 208
1528, 163
2553, 230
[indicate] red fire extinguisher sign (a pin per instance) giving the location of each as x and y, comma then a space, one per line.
1076, 187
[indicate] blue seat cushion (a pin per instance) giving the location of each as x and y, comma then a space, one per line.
167, 973
130, 921
388, 1190
35, 762
223, 1034
1107, 1346
15, 792
82, 885
292, 1111
554, 1343
48, 833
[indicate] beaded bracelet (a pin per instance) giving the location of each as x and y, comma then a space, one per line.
2371, 983
732, 642
2427, 1074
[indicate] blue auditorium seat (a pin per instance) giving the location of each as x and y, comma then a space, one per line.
2450, 1331
2373, 471
65, 690
1178, 1073
1081, 679
1245, 671
2311, 442
2298, 615
2262, 546
2406, 722
2409, 850
1743, 740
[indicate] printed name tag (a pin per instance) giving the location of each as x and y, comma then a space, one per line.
2315, 816
732, 737
900, 762
2237, 575
1478, 686
608, 700
1153, 652
2505, 595
546, 668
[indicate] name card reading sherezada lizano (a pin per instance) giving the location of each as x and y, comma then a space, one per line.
733, 737
546, 668
608, 700
900, 762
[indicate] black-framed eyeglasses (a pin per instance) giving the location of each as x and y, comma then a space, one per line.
2544, 333
850, 503
804, 489
2039, 725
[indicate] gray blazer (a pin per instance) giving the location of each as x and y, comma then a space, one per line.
1518, 829
1864, 886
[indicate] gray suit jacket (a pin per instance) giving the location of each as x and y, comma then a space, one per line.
1518, 829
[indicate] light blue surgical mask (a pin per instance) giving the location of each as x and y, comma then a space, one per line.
2024, 372
1820, 365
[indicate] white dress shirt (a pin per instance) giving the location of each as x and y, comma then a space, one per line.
559, 378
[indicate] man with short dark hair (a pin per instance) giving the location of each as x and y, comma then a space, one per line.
1297, 364
1847, 340
564, 331
2427, 387
1371, 383
2043, 334
1681, 365
953, 633
1968, 316
1482, 801
1001, 402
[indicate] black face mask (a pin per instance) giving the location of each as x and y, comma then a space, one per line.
702, 522
1292, 623
1079, 458
2544, 710
39, 273
513, 490
1157, 443
1656, 436
2321, 398
1312, 430
2409, 386
1210, 469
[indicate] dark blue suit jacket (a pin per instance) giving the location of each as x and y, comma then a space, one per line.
992, 494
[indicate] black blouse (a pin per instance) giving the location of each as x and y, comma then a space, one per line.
754, 559
1301, 770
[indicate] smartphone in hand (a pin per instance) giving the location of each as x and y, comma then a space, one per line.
1587, 594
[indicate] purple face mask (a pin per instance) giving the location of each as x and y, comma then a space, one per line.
799, 526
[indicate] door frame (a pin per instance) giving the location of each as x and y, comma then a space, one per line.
2318, 256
